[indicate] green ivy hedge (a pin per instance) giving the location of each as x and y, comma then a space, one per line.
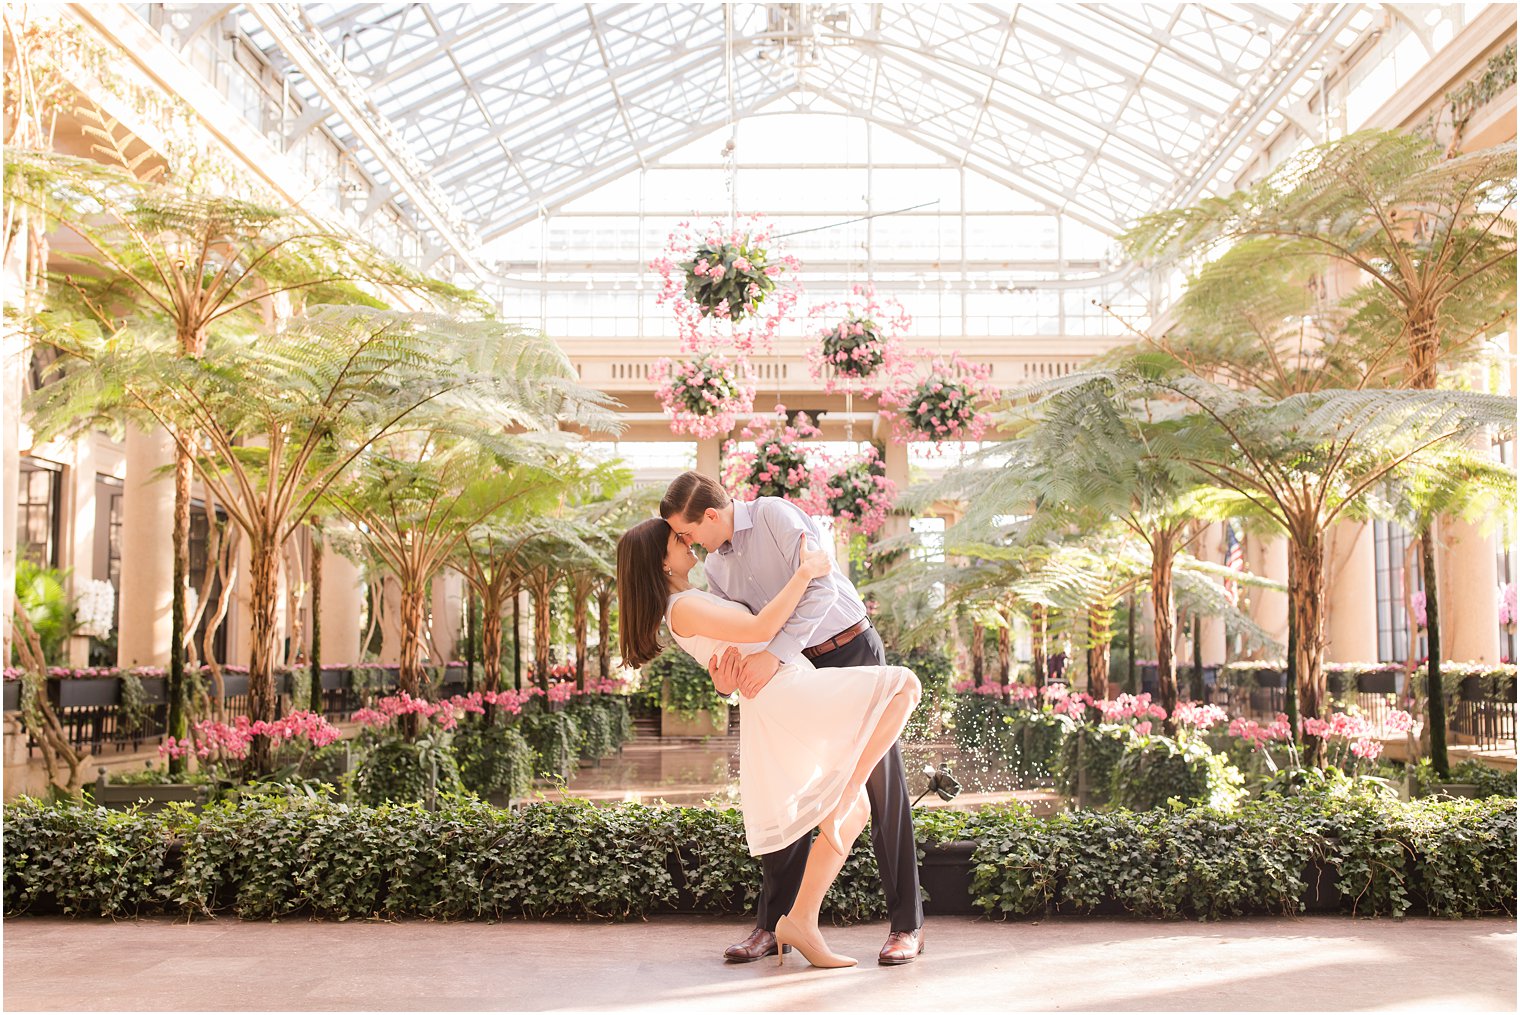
270, 857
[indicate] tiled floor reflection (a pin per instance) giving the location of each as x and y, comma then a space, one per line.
651, 769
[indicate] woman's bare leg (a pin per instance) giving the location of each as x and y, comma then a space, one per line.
823, 865
887, 730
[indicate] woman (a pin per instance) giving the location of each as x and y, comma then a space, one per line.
809, 739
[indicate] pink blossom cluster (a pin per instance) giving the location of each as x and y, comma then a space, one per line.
444, 712
1129, 706
859, 495
944, 406
1507, 612
985, 690
1417, 606
1198, 716
233, 740
705, 396
1256, 734
778, 465
751, 328
869, 368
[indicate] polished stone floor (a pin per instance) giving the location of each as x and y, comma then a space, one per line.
673, 963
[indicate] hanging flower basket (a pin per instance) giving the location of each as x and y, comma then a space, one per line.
859, 349
704, 396
944, 406
779, 465
859, 495
855, 348
725, 285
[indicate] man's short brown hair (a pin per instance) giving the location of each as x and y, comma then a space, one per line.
690, 495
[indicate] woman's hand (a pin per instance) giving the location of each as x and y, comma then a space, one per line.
813, 563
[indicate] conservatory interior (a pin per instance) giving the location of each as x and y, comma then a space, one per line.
1149, 370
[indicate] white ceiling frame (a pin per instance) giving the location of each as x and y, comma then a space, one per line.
1051, 125
383, 142
569, 100
613, 172
531, 59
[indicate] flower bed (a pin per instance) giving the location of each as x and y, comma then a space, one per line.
274, 857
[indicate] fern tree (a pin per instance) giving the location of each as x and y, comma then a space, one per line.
281, 418
1084, 453
1424, 245
1455, 481
1305, 462
156, 255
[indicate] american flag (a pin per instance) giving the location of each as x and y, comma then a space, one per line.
1234, 558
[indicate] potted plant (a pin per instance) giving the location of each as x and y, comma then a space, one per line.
689, 705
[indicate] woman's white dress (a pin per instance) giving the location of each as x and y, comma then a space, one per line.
801, 736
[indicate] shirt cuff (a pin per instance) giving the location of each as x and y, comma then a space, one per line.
785, 647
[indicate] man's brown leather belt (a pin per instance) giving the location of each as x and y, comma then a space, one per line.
839, 640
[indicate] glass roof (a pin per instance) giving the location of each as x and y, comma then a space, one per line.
1097, 113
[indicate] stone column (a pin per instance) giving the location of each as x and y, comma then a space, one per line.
448, 609
1269, 558
710, 457
79, 531
1468, 573
239, 612
14, 358
1351, 592
342, 608
895, 460
147, 555
390, 622
1210, 547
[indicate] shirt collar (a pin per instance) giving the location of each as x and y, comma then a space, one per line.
744, 520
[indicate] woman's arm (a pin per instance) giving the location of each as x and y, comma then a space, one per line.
693, 615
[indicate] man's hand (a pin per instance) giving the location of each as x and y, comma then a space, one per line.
756, 672
726, 670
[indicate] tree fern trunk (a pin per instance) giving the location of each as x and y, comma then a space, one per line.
604, 632
316, 616
490, 640
1162, 605
978, 654
1306, 602
1005, 651
1197, 689
1435, 689
176, 725
413, 620
1037, 643
517, 639
582, 634
543, 593
263, 592
1100, 623
1129, 663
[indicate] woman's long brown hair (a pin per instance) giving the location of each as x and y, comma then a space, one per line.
642, 590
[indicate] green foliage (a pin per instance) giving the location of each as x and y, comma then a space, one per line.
402, 771
555, 738
935, 672
605, 724
1154, 770
494, 759
133, 709
976, 721
689, 689
40, 592
1093, 749
1031, 741
271, 855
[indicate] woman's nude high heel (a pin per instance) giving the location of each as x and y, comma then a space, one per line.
819, 955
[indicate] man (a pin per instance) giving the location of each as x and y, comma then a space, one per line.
752, 553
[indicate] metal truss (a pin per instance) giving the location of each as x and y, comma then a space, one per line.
502, 113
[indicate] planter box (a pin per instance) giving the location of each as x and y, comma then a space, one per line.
335, 679
234, 685
706, 723
156, 689
945, 873
12, 695
84, 692
1271, 679
1378, 682
150, 798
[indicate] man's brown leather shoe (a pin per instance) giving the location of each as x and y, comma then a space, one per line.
902, 946
758, 945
